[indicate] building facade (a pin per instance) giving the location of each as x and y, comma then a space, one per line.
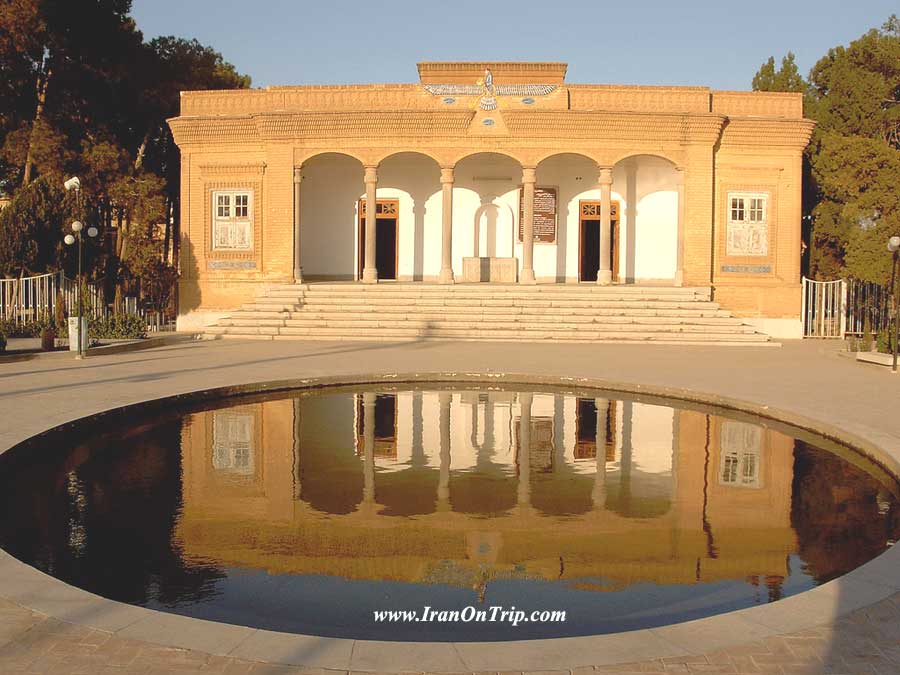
493, 172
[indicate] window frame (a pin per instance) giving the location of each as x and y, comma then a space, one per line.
232, 221
747, 208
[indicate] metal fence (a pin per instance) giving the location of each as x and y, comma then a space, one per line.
824, 308
31, 299
835, 309
868, 307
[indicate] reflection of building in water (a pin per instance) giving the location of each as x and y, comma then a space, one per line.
509, 480
384, 423
741, 444
233, 441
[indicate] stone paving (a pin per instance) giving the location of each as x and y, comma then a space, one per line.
808, 379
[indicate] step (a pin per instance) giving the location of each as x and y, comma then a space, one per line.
302, 318
439, 311
481, 297
507, 335
354, 324
425, 287
240, 321
504, 302
259, 314
269, 307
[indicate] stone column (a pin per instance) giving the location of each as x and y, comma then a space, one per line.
598, 495
446, 276
524, 458
604, 273
528, 180
370, 273
679, 259
298, 269
368, 447
443, 494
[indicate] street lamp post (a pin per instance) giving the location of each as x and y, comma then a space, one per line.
894, 247
78, 228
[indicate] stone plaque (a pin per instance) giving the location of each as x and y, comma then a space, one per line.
747, 239
231, 264
747, 269
545, 208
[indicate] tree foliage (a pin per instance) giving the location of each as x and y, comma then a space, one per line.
855, 153
31, 229
82, 93
786, 78
853, 160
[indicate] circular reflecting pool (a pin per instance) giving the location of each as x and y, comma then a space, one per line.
441, 513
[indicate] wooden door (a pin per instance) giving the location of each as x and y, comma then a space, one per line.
589, 239
387, 239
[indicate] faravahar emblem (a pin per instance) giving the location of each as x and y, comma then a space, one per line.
488, 91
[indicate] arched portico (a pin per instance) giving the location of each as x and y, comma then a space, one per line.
326, 189
442, 222
485, 217
574, 253
648, 240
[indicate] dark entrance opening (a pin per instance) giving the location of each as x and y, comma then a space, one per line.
589, 240
386, 244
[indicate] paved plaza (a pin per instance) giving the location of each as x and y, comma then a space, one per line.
848, 626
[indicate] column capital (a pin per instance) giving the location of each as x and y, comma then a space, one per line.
298, 174
529, 174
447, 174
605, 177
371, 174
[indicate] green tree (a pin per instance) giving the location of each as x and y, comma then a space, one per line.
31, 229
786, 78
855, 154
82, 93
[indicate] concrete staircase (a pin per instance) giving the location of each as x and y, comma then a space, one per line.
502, 313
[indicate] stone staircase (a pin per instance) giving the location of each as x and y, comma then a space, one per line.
502, 313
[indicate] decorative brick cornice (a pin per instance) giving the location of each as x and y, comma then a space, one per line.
669, 127
362, 124
423, 129
427, 125
255, 169
765, 132
205, 130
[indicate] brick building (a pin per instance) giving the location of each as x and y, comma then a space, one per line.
493, 172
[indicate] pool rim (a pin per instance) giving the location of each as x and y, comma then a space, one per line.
870, 583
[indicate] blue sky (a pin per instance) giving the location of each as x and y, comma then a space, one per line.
712, 43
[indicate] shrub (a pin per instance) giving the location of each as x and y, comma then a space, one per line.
28, 329
59, 311
2, 343
117, 327
885, 341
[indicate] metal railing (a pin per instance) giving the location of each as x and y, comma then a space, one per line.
824, 308
30, 299
835, 309
868, 307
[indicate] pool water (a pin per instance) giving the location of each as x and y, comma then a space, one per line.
312, 511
